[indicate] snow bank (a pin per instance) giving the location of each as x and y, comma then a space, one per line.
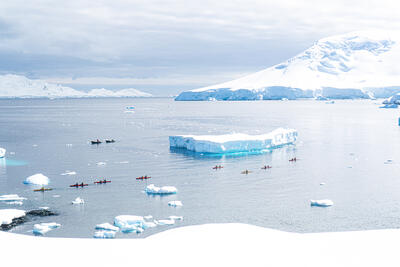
321, 203
2, 152
7, 215
175, 203
78, 201
107, 227
355, 65
230, 143
164, 190
37, 179
104, 234
43, 228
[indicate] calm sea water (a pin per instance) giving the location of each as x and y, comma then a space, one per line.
344, 145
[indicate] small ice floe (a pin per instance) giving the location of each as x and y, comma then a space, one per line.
321, 203
148, 217
12, 199
37, 179
104, 234
321, 183
107, 227
176, 218
68, 173
43, 228
164, 190
68, 145
175, 203
2, 152
124, 220
34, 145
8, 215
44, 208
122, 162
146, 225
389, 161
101, 163
55, 196
12, 153
78, 201
165, 222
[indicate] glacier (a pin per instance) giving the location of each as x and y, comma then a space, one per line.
17, 86
231, 143
356, 65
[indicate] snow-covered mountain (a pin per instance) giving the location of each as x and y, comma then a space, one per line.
354, 65
16, 86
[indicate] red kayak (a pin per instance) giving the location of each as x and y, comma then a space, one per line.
78, 185
102, 182
218, 167
143, 177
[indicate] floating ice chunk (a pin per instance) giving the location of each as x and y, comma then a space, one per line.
104, 234
230, 143
107, 227
124, 220
11, 198
176, 218
12, 153
78, 200
68, 145
123, 162
322, 184
164, 190
37, 179
148, 217
44, 208
43, 228
2, 152
129, 229
146, 225
321, 203
165, 222
68, 173
56, 196
7, 215
175, 203
35, 145
389, 161
139, 230
101, 163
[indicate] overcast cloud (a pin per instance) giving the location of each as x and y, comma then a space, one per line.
164, 46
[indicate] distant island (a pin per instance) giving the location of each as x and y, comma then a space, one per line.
17, 86
356, 65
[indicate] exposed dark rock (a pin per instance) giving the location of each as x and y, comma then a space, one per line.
27, 217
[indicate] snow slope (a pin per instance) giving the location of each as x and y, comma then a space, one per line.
211, 245
16, 86
355, 65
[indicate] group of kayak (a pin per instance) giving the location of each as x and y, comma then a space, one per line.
143, 177
96, 142
104, 181
265, 167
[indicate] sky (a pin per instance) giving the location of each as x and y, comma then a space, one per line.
165, 47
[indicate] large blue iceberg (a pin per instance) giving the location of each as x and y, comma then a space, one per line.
232, 143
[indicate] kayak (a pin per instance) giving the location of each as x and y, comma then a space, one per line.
42, 189
102, 182
74, 185
217, 167
110, 141
246, 172
143, 177
95, 142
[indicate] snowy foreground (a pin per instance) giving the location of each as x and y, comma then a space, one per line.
16, 86
230, 143
354, 65
211, 245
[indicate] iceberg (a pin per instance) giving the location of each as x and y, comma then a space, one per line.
175, 203
164, 190
321, 203
394, 99
130, 229
356, 65
231, 143
2, 152
78, 201
107, 227
37, 179
104, 234
43, 228
8, 215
